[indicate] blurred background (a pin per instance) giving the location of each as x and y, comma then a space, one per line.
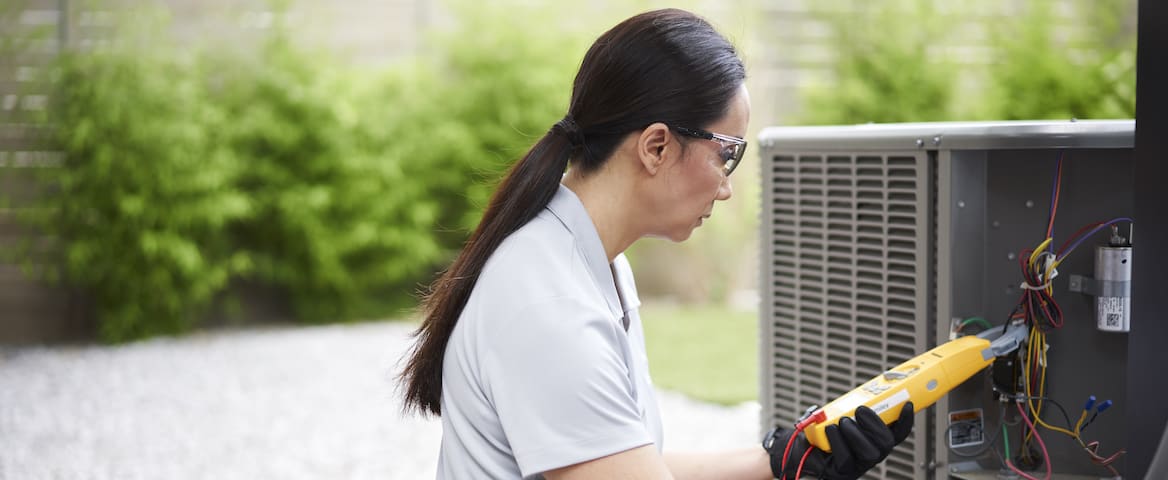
176, 170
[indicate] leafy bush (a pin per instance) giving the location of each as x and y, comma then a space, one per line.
476, 108
884, 70
343, 187
892, 64
334, 223
1037, 75
136, 212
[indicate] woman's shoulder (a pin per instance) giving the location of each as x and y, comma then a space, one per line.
536, 251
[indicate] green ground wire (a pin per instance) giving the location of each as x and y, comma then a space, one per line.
1006, 441
978, 320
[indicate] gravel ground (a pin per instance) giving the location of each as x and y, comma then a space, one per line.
289, 403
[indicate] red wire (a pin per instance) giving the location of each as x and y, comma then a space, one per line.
787, 452
1062, 250
1058, 309
1045, 455
1057, 188
1056, 323
799, 472
811, 419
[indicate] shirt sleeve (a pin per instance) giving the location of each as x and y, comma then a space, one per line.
559, 381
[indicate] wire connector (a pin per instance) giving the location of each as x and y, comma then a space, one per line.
1104, 405
811, 419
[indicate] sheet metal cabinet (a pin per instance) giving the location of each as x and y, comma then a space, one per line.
875, 237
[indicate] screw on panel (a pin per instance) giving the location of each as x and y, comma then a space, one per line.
1030, 204
937, 140
1011, 256
961, 204
920, 143
996, 224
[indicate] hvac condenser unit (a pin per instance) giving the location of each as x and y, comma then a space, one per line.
879, 242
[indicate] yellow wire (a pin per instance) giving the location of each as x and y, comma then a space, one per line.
1057, 261
1030, 343
1049, 272
1038, 250
1079, 424
1036, 352
1039, 354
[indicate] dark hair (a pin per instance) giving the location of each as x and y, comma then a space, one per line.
667, 66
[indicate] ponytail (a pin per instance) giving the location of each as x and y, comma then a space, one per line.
666, 66
525, 191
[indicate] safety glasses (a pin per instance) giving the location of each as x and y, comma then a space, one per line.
732, 147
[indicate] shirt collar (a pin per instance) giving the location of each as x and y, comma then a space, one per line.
566, 206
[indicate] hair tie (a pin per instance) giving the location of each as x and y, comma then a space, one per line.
570, 130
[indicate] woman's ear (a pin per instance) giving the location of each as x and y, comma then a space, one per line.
653, 147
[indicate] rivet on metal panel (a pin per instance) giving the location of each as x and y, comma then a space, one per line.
995, 224
937, 140
1011, 256
1030, 204
920, 142
961, 204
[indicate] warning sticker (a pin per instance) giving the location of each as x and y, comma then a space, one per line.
966, 428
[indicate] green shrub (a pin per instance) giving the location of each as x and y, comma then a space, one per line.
136, 213
343, 187
335, 223
884, 71
1038, 75
892, 63
476, 106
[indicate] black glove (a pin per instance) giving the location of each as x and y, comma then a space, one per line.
856, 446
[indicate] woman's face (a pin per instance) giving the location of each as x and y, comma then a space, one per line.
696, 181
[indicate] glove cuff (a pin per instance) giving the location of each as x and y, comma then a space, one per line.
775, 443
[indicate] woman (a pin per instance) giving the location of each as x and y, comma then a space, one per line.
531, 349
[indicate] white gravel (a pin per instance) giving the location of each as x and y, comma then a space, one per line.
288, 403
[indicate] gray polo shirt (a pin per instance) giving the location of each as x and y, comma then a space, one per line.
540, 372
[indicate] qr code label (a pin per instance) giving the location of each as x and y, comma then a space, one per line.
1112, 312
1113, 319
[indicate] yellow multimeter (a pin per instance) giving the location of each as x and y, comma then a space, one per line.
923, 379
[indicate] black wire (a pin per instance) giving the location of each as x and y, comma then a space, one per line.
1088, 422
1070, 426
1026, 453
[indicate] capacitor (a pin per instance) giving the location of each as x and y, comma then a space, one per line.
1113, 263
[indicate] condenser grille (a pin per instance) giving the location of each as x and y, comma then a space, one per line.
845, 280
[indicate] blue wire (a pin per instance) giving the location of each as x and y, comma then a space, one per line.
1054, 184
1092, 232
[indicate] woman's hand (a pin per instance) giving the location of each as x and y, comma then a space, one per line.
857, 444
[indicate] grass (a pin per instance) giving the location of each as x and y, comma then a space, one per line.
707, 352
